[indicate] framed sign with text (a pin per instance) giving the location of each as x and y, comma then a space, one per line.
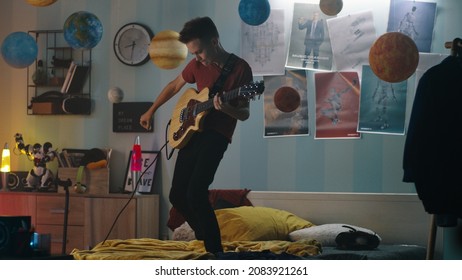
146, 176
126, 116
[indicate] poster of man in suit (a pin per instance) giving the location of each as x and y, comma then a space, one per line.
309, 42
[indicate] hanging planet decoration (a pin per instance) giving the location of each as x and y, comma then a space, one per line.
254, 12
286, 99
115, 95
19, 49
331, 7
83, 30
166, 51
41, 3
393, 57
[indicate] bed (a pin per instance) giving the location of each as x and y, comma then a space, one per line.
288, 225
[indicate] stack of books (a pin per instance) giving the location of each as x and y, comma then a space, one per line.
75, 78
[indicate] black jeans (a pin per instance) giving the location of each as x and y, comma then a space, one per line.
195, 169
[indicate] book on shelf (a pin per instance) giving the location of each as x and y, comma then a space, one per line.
74, 156
68, 77
75, 78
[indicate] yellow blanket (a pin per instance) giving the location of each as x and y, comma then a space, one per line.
154, 249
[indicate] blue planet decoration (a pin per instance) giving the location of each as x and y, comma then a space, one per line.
83, 30
254, 12
19, 49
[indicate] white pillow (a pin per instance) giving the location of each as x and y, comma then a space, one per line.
325, 234
184, 233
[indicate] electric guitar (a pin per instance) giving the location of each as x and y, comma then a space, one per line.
193, 106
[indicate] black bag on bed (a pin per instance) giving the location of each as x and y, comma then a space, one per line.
356, 240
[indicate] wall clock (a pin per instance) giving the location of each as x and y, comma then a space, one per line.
131, 44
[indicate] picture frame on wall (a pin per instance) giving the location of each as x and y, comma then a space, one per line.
147, 173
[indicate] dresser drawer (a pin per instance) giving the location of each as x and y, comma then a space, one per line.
50, 210
75, 238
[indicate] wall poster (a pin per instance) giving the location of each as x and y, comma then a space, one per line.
263, 46
286, 104
383, 105
337, 105
309, 46
414, 19
352, 37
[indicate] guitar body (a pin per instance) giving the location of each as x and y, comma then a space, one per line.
184, 121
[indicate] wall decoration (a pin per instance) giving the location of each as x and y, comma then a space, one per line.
131, 44
414, 19
309, 46
115, 95
83, 30
254, 12
337, 105
352, 36
19, 49
331, 7
166, 51
41, 3
286, 104
382, 105
126, 116
393, 57
147, 173
263, 46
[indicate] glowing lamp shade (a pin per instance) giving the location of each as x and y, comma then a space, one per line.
136, 156
5, 168
5, 159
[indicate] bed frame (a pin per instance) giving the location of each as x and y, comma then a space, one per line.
397, 218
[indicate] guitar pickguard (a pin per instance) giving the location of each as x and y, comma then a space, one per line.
187, 119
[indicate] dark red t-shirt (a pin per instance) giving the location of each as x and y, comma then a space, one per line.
205, 76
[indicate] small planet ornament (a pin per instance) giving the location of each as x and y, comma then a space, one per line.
287, 99
40, 3
19, 49
331, 7
166, 51
393, 57
254, 12
115, 95
83, 30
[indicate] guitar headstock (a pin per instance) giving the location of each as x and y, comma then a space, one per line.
253, 89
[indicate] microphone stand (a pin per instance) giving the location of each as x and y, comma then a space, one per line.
66, 184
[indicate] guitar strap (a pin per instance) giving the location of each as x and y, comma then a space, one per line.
227, 68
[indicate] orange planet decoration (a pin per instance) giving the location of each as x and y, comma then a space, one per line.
166, 51
331, 7
393, 57
41, 3
287, 99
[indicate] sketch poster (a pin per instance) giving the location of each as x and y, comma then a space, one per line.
263, 46
414, 19
352, 37
309, 46
337, 105
286, 104
383, 105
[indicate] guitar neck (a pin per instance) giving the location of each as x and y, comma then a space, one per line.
225, 97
